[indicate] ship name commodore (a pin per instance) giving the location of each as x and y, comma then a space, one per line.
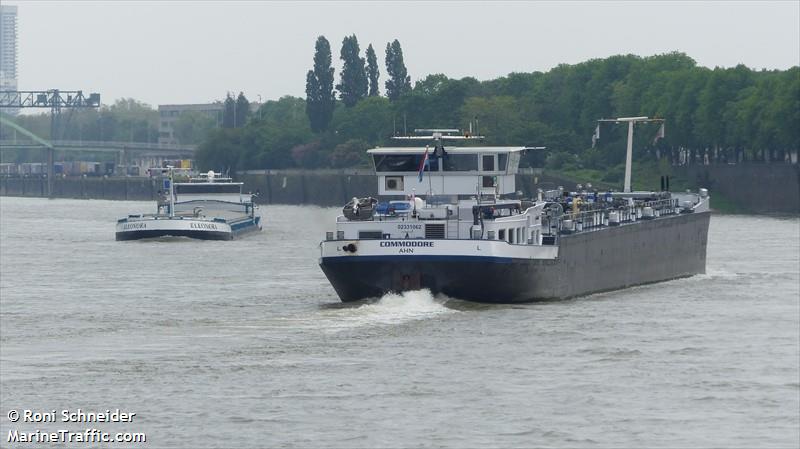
392, 244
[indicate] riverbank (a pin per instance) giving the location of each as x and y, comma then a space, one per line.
744, 188
318, 187
760, 189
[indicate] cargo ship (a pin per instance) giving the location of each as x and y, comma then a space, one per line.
207, 207
449, 219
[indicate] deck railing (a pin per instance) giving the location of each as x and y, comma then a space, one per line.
596, 218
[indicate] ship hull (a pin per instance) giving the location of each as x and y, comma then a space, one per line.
148, 228
589, 262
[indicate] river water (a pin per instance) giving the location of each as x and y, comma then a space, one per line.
244, 344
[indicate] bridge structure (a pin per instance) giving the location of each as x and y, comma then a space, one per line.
125, 151
126, 148
126, 154
55, 100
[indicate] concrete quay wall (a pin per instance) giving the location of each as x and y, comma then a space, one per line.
754, 188
762, 188
128, 188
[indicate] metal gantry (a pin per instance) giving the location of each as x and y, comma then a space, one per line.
629, 154
55, 100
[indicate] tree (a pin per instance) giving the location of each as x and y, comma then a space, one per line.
229, 112
731, 111
350, 154
220, 151
192, 127
320, 99
499, 117
353, 83
372, 72
134, 121
242, 111
370, 120
287, 111
399, 83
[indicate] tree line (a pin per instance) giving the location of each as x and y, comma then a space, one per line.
727, 114
735, 113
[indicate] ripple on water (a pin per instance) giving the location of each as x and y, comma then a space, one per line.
245, 343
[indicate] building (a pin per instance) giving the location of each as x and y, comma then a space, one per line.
8, 50
169, 114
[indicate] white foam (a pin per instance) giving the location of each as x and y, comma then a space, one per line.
392, 308
713, 274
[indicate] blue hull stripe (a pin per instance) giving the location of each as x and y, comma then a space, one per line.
244, 224
419, 258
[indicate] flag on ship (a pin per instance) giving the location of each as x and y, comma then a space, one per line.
424, 163
659, 134
596, 135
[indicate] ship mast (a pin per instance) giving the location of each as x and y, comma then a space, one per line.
629, 154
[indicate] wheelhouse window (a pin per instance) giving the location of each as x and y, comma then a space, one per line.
460, 162
488, 162
502, 160
187, 189
397, 162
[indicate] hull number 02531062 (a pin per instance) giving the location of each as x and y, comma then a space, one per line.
409, 227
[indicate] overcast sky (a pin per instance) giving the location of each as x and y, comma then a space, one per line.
194, 52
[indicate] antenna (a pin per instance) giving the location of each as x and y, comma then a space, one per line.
439, 134
436, 130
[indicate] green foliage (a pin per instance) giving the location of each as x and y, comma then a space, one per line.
399, 83
192, 127
369, 121
288, 111
353, 84
735, 110
229, 112
266, 142
220, 150
320, 99
241, 111
350, 154
126, 120
372, 72
557, 161
308, 155
498, 117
